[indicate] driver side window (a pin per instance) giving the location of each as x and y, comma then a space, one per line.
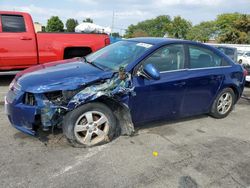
167, 58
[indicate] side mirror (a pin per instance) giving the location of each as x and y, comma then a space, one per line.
149, 72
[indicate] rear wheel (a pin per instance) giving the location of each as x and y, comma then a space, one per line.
223, 104
89, 125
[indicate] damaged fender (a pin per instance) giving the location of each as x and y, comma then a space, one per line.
114, 90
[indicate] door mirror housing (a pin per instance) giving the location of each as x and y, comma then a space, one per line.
149, 71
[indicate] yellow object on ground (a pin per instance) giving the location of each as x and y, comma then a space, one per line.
155, 153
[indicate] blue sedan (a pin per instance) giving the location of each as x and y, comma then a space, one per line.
103, 95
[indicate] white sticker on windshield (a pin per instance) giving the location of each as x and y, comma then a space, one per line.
145, 45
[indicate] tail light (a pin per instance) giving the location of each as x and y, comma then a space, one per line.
107, 41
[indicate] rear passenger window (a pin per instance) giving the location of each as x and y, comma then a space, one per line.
13, 23
167, 58
202, 58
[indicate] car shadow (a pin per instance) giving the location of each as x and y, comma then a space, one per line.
167, 122
48, 138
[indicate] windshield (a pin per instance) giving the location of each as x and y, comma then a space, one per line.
119, 54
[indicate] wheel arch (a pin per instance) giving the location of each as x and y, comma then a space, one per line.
235, 90
121, 112
76, 51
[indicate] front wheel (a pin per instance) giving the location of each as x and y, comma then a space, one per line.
89, 125
223, 104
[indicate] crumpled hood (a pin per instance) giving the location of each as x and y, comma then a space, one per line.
61, 75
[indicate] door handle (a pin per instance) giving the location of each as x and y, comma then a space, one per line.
180, 84
25, 38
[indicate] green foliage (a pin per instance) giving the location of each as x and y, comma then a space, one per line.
235, 36
243, 23
179, 28
54, 24
226, 28
233, 28
154, 27
140, 33
225, 21
71, 24
202, 32
89, 20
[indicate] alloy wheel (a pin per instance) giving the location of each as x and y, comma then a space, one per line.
91, 128
224, 103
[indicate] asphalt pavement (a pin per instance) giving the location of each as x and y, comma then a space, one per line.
4, 85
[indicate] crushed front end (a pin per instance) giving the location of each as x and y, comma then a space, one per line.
30, 112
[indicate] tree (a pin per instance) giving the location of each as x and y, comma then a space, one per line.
54, 24
233, 28
139, 33
88, 20
179, 28
71, 24
243, 23
234, 36
202, 32
224, 22
154, 27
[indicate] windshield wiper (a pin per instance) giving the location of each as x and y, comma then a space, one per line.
92, 63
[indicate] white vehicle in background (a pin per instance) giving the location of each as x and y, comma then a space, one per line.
247, 68
244, 57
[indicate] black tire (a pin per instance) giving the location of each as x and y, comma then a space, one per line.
214, 110
72, 117
247, 84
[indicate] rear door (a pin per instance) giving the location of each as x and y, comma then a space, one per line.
18, 44
205, 78
160, 99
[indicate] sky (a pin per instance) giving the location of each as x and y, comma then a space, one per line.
125, 12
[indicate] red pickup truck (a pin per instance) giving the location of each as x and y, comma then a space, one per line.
22, 47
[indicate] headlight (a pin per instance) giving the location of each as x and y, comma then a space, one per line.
61, 97
14, 85
56, 97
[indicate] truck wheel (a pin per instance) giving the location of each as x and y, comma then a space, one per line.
223, 104
89, 125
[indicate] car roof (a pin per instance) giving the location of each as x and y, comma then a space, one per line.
154, 40
13, 12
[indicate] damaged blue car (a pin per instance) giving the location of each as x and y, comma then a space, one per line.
100, 96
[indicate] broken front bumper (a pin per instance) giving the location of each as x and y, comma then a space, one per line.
21, 116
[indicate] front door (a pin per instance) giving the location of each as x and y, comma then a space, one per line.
159, 99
